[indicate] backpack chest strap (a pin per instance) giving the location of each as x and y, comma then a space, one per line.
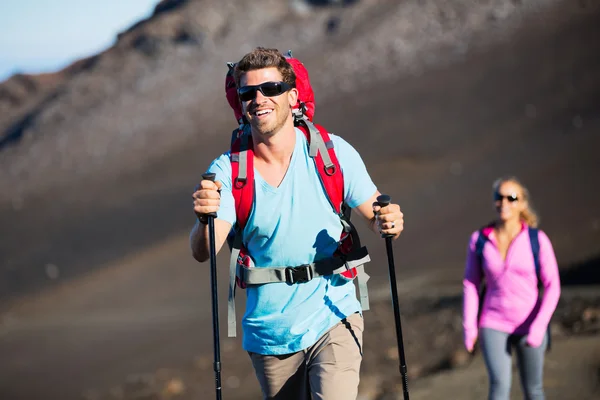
251, 275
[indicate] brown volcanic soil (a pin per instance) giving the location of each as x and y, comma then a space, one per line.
129, 300
140, 329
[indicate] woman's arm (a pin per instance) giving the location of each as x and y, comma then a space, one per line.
550, 279
471, 281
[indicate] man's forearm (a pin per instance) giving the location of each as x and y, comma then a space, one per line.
199, 238
372, 223
199, 241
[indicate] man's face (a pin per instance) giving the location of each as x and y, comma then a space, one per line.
267, 114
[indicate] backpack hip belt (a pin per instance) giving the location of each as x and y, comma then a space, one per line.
249, 274
243, 272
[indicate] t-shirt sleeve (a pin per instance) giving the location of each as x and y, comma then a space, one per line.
221, 167
358, 186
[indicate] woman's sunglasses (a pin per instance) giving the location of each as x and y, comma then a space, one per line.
268, 89
511, 197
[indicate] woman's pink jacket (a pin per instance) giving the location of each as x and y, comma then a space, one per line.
512, 302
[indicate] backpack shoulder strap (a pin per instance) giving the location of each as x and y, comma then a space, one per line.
322, 151
242, 189
535, 248
242, 176
479, 245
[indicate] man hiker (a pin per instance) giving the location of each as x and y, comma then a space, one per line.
303, 327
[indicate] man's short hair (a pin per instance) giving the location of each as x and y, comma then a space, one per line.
261, 58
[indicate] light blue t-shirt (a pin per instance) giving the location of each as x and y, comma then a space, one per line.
294, 224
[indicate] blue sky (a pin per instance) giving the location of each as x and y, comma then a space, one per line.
47, 35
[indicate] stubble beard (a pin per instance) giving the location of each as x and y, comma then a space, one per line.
270, 128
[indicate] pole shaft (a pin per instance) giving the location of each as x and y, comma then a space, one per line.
215, 306
394, 293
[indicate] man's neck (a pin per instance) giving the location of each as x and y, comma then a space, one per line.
277, 148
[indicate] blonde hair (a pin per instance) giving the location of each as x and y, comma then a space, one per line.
528, 214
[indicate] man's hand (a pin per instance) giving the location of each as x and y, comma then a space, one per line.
389, 219
206, 198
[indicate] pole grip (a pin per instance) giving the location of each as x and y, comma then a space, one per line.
384, 200
210, 176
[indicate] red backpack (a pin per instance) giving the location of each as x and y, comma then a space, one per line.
349, 258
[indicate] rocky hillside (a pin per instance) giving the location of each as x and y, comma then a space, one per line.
159, 87
440, 97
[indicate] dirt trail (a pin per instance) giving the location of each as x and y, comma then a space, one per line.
141, 324
571, 372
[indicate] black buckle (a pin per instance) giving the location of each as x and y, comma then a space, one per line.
299, 274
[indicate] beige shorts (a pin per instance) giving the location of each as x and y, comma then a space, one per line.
327, 370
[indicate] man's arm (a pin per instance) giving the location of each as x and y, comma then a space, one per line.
358, 185
388, 220
207, 199
199, 238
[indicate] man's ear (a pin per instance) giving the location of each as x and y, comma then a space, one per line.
293, 96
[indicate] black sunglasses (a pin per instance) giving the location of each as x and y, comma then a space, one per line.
511, 197
269, 89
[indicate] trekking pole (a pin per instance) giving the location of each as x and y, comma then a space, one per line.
215, 299
383, 201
